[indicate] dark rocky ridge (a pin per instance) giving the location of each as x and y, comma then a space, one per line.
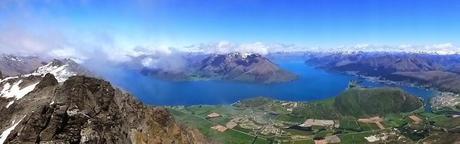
88, 110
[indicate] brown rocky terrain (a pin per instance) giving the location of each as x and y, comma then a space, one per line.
72, 108
88, 110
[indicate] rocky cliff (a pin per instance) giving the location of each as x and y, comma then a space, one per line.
86, 110
58, 104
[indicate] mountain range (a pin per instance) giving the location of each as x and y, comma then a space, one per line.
12, 65
440, 71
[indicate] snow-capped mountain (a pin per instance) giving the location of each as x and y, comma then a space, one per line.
61, 69
14, 88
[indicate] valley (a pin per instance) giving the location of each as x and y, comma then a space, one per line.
265, 120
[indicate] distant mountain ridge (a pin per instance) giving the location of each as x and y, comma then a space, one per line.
11, 65
441, 71
244, 67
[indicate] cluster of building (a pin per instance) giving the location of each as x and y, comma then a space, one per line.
384, 137
289, 106
320, 123
446, 99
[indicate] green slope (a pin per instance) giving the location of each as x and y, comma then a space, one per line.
360, 102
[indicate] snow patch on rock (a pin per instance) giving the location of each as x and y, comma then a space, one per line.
7, 131
61, 72
9, 104
8, 78
15, 91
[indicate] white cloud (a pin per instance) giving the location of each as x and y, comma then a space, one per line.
67, 53
224, 47
257, 47
17, 40
442, 48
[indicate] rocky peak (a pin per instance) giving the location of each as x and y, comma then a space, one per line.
233, 58
56, 62
61, 69
47, 80
88, 110
66, 61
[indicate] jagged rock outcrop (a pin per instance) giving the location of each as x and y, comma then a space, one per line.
48, 80
88, 110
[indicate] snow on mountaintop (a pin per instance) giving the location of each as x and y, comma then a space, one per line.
60, 69
15, 87
243, 55
15, 90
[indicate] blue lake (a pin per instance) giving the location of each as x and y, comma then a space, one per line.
313, 84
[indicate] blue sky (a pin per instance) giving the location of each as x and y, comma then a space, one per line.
326, 23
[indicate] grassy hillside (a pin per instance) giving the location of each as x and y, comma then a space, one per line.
371, 102
319, 110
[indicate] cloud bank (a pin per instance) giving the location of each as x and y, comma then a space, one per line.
441, 48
